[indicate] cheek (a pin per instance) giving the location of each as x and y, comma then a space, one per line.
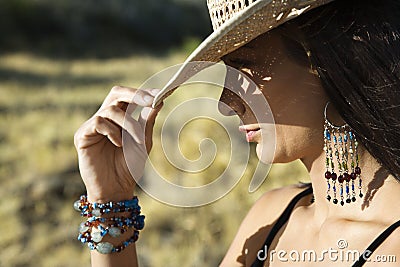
293, 142
295, 96
303, 110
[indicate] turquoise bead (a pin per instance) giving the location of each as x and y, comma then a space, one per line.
114, 232
104, 248
96, 237
83, 228
96, 212
77, 204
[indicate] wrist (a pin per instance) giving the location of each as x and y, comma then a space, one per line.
100, 189
109, 221
107, 197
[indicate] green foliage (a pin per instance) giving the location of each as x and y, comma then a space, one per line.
100, 27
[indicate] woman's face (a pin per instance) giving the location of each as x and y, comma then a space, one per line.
294, 94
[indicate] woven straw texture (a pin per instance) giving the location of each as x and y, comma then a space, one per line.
235, 23
221, 11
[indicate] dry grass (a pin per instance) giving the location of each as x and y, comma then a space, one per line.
42, 103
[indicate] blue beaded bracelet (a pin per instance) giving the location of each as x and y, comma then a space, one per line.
136, 220
114, 229
107, 248
88, 209
95, 228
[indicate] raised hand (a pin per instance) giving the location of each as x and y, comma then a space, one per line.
99, 144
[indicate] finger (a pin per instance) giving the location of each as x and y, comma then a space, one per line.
148, 116
128, 95
147, 119
109, 129
96, 129
154, 92
123, 106
123, 120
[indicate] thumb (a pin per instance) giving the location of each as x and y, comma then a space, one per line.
147, 119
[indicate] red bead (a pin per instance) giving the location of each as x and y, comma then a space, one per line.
346, 177
334, 176
357, 170
328, 175
353, 176
340, 179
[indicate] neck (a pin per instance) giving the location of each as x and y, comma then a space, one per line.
380, 190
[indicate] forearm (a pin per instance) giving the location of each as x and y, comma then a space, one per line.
125, 258
107, 177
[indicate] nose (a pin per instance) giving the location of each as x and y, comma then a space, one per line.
230, 104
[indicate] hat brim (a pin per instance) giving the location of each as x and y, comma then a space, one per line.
261, 17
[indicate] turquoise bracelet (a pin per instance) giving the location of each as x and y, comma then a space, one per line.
88, 209
108, 248
96, 227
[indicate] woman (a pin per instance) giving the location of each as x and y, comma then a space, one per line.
333, 88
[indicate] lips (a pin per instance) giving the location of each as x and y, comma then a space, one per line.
252, 132
250, 136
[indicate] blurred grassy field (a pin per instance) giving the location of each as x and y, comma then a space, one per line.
42, 102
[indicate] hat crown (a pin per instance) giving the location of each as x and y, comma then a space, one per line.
222, 10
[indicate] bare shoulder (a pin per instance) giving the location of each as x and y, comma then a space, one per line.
258, 222
275, 201
388, 253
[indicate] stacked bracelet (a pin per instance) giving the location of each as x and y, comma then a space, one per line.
96, 227
88, 209
107, 248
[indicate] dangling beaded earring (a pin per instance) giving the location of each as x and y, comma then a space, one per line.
341, 143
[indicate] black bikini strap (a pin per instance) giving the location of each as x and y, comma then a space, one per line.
375, 244
280, 222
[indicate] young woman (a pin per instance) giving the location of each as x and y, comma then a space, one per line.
334, 89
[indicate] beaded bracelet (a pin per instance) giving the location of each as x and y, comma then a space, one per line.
107, 248
116, 229
87, 232
95, 228
88, 209
137, 221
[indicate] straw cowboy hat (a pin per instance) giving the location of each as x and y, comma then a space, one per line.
235, 23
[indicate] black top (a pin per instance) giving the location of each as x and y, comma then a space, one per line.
285, 217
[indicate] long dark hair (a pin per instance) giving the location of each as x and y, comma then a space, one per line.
355, 48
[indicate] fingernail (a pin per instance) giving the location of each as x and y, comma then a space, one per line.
154, 91
148, 98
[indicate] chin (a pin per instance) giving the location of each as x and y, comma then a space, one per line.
266, 146
265, 154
